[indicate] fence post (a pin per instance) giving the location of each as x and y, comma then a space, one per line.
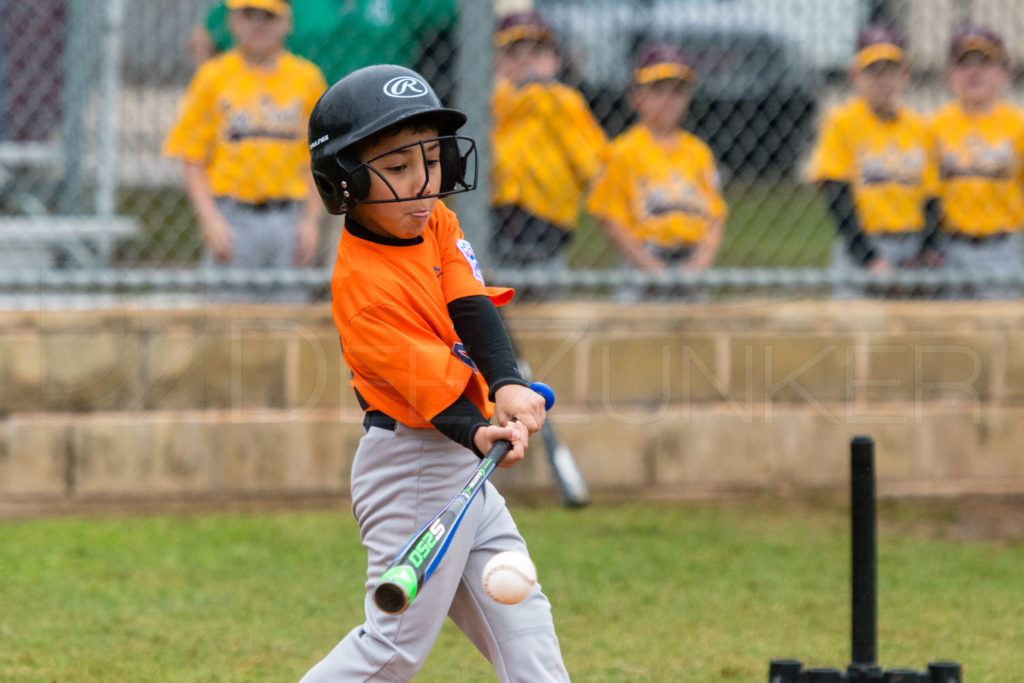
110, 77
78, 69
474, 64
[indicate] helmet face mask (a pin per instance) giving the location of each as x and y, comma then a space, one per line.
375, 101
457, 167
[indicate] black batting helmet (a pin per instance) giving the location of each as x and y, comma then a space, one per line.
364, 103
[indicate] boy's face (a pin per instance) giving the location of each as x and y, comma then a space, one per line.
977, 80
880, 83
662, 105
528, 59
545, 62
401, 161
257, 32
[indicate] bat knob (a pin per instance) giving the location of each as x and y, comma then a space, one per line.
391, 598
545, 391
396, 589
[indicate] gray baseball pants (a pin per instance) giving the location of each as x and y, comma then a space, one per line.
1001, 257
895, 248
400, 480
263, 239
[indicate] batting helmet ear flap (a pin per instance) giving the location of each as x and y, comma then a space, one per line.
331, 193
359, 183
342, 189
352, 181
347, 163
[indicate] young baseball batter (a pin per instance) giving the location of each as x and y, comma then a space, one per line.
428, 355
981, 151
875, 162
547, 146
659, 197
241, 136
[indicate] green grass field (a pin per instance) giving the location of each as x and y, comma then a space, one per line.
770, 225
641, 592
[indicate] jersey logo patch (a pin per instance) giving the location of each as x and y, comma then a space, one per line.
459, 351
467, 251
405, 86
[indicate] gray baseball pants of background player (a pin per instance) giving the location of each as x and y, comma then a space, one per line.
894, 248
999, 256
265, 238
401, 479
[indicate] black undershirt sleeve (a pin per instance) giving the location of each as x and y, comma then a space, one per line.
840, 205
459, 422
482, 331
932, 224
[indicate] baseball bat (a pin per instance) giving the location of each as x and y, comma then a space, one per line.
405, 577
572, 488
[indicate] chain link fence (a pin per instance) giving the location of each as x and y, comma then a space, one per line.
90, 208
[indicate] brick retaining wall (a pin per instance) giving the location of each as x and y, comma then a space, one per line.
669, 400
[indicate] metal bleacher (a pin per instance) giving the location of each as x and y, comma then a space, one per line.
35, 238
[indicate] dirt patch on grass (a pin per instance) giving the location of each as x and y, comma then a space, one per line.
169, 505
973, 518
976, 518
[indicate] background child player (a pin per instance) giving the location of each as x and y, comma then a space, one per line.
547, 146
659, 197
875, 162
241, 135
428, 353
981, 157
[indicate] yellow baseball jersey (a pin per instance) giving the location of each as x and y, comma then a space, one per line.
547, 146
248, 126
981, 162
890, 165
662, 192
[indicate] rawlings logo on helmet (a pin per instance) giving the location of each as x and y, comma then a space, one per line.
406, 86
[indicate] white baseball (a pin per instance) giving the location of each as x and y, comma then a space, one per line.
508, 577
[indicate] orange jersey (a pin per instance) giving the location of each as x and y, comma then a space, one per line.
248, 126
890, 165
390, 307
662, 192
547, 147
981, 160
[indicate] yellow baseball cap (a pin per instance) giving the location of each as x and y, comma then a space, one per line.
878, 43
974, 38
272, 6
659, 62
522, 26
